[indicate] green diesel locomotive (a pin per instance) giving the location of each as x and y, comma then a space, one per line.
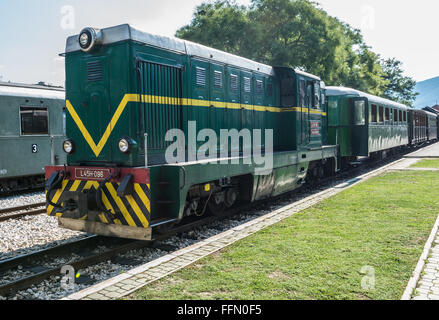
161, 128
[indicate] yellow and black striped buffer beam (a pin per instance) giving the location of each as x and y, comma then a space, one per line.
132, 210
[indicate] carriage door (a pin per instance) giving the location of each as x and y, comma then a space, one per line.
161, 88
360, 128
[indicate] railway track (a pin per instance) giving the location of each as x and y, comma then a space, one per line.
22, 211
38, 266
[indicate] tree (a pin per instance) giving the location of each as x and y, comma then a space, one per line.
295, 33
399, 88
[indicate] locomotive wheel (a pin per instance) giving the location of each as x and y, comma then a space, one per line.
216, 207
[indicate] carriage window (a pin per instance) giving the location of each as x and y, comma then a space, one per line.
34, 121
381, 115
359, 112
400, 115
405, 116
387, 115
373, 117
395, 115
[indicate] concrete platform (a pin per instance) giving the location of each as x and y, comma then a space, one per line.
431, 151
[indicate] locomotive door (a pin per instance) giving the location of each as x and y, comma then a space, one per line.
360, 128
160, 87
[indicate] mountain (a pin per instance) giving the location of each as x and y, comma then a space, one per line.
428, 93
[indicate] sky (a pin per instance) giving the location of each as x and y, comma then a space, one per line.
33, 33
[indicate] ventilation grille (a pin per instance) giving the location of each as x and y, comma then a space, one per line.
234, 82
94, 71
259, 87
201, 76
218, 79
247, 85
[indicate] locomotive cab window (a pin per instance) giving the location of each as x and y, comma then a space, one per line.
316, 104
302, 93
309, 94
34, 121
288, 93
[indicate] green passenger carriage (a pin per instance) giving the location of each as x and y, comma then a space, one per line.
363, 124
126, 89
31, 128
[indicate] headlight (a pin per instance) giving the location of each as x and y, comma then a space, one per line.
84, 40
89, 38
124, 145
68, 146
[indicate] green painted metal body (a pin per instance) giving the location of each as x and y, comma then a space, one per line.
35, 149
166, 89
354, 126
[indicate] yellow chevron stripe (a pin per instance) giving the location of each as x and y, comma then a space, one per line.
102, 218
57, 195
137, 211
97, 149
75, 185
143, 196
120, 204
108, 206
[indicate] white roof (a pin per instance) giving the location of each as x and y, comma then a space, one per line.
340, 91
127, 32
14, 91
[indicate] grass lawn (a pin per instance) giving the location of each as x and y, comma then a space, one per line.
322, 252
427, 163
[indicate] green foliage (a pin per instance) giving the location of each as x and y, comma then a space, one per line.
399, 88
295, 33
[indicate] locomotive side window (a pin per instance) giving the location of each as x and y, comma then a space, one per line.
309, 94
374, 114
34, 121
302, 93
316, 95
288, 94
